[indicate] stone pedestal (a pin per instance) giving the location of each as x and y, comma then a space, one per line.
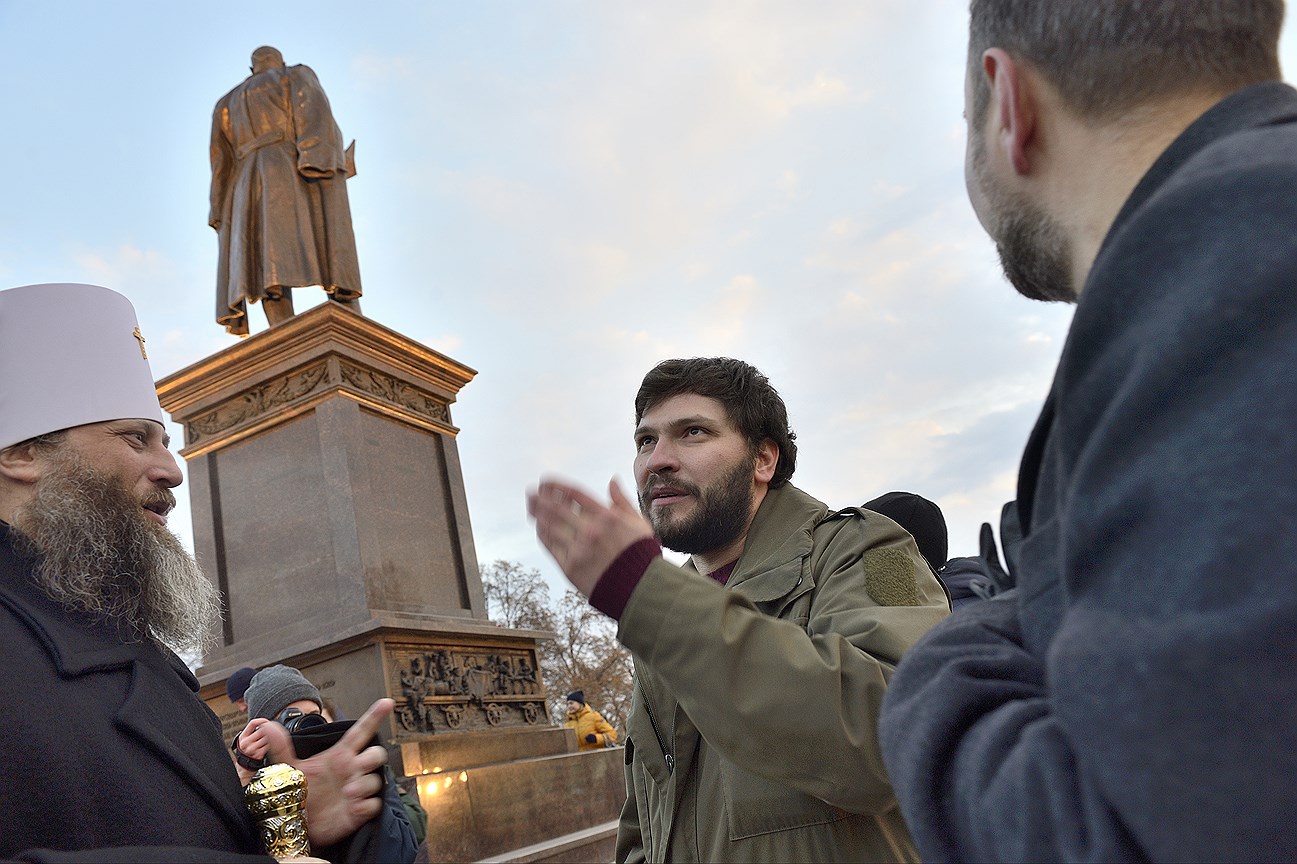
325, 482
524, 795
329, 508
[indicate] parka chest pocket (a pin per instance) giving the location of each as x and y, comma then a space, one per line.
755, 805
784, 593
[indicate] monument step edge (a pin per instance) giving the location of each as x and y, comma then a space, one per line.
547, 848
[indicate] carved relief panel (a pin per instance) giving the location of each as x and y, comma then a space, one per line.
444, 688
303, 385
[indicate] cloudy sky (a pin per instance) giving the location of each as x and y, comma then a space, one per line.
561, 194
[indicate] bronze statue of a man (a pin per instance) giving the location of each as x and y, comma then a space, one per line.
279, 195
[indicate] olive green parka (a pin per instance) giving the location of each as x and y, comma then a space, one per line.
753, 727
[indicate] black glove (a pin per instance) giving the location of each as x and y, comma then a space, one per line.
591, 738
245, 760
1000, 580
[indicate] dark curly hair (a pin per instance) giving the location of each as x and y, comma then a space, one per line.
750, 402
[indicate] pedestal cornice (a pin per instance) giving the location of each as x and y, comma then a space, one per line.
282, 372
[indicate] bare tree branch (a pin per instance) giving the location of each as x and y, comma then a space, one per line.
584, 654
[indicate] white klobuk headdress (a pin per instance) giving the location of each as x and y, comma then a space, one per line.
70, 355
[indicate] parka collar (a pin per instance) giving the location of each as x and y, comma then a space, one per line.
778, 539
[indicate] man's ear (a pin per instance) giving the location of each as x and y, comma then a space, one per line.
766, 459
1013, 105
21, 464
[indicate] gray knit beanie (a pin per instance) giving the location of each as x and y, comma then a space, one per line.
275, 688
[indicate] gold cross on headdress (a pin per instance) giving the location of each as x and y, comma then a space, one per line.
139, 336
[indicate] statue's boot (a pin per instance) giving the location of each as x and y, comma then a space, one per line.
278, 310
353, 305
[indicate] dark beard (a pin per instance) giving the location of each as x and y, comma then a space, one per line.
97, 553
1033, 256
720, 517
1034, 252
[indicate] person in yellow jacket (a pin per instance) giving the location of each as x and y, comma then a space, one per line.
592, 731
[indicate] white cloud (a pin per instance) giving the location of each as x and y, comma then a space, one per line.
123, 265
788, 183
382, 69
447, 343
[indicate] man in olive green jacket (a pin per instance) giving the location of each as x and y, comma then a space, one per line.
761, 664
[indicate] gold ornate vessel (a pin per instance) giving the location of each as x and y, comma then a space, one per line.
276, 797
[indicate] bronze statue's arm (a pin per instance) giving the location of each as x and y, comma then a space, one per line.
319, 141
222, 156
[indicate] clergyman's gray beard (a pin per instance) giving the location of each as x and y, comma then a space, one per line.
96, 553
721, 514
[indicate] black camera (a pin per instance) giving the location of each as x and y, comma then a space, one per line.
295, 720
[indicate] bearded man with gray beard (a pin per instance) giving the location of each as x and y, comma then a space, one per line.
95, 555
108, 753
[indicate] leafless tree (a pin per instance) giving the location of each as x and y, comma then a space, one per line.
584, 653
516, 597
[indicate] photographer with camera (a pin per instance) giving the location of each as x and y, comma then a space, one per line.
280, 699
282, 694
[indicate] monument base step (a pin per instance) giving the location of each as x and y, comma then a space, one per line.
597, 843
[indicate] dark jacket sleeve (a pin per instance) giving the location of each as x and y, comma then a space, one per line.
982, 768
396, 841
1134, 696
392, 843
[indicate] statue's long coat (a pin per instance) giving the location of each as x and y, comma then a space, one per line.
279, 195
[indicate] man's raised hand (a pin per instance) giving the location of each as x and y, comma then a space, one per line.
342, 790
584, 535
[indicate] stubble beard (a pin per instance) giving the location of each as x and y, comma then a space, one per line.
720, 513
96, 553
1034, 251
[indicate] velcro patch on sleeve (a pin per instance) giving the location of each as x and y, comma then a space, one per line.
889, 577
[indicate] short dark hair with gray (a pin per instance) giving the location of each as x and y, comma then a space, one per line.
752, 404
1107, 56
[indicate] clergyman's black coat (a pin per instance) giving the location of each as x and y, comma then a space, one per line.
105, 743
